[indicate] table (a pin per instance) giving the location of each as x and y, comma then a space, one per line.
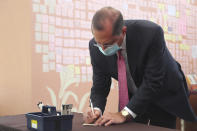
18, 123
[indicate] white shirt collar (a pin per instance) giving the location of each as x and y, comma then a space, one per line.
123, 45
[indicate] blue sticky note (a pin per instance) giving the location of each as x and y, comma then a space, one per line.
171, 10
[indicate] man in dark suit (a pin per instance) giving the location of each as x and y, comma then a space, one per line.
152, 86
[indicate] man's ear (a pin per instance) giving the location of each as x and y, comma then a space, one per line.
124, 29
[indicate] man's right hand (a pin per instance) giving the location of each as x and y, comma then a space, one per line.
88, 116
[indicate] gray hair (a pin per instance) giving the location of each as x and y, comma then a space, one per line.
113, 15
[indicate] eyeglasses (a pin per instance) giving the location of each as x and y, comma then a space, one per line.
104, 45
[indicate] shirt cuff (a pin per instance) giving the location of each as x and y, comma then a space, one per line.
130, 112
96, 108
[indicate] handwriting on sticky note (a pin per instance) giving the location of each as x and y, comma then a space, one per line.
85, 124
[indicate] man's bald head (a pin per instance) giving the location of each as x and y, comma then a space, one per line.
111, 15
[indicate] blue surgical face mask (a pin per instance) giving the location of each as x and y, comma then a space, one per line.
110, 50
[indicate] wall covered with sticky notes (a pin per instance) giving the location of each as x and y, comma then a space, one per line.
61, 30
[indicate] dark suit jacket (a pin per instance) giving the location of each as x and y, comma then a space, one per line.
157, 75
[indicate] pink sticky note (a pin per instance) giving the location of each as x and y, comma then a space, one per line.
182, 26
70, 13
77, 14
72, 43
58, 67
66, 32
58, 21
64, 10
89, 70
70, 60
58, 50
77, 33
83, 15
58, 11
70, 23
76, 60
87, 53
51, 46
58, 59
83, 53
66, 43
59, 32
76, 52
83, 70
45, 28
65, 52
58, 41
82, 60
45, 18
64, 22
71, 35
59, 1
70, 52
51, 20
67, 60
51, 38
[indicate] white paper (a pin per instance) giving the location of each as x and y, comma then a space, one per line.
37, 27
45, 37
36, 8
52, 65
45, 49
171, 10
38, 36
39, 18
85, 124
43, 9
45, 58
51, 55
38, 48
45, 68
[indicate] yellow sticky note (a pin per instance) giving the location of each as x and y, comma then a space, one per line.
70, 70
162, 6
166, 36
180, 38
165, 28
34, 124
187, 12
159, 6
173, 38
87, 60
165, 17
77, 70
152, 19
184, 47
170, 37
177, 14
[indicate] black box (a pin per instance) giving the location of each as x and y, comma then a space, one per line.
39, 121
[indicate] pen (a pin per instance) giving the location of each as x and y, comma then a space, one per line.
92, 107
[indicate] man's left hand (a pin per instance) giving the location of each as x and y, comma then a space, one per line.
110, 118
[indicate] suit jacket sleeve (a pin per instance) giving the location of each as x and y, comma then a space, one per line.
101, 80
154, 72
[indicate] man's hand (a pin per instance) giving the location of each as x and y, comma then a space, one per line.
89, 118
110, 118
